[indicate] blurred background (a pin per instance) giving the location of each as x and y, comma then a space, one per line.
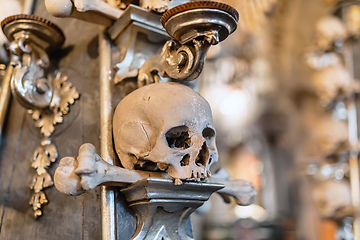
283, 90
284, 95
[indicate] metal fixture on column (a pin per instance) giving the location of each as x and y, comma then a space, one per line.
46, 95
194, 27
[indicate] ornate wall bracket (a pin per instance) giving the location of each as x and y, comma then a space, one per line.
30, 38
46, 96
161, 207
194, 27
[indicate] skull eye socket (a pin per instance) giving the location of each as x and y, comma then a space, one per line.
178, 137
208, 133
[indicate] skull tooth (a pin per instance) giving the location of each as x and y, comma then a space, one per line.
208, 173
198, 175
162, 166
178, 181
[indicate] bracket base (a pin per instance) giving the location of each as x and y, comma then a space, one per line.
163, 208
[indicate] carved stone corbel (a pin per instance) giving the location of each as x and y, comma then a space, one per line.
194, 27
45, 95
138, 35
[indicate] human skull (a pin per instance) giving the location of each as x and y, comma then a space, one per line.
330, 29
330, 134
332, 81
167, 127
326, 203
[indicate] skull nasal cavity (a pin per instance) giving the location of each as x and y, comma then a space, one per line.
185, 160
178, 137
203, 156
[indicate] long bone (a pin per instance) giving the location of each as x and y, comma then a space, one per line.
242, 191
98, 6
95, 11
75, 175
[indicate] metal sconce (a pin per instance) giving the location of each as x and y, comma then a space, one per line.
194, 27
46, 96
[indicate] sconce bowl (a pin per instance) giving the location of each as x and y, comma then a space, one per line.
40, 30
195, 19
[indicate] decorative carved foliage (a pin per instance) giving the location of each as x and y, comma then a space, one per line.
64, 95
41, 181
46, 118
68, 93
46, 121
43, 156
36, 201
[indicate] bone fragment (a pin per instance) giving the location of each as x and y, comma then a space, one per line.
95, 11
59, 8
242, 191
98, 6
75, 175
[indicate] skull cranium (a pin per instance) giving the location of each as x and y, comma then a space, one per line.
326, 203
167, 127
333, 82
330, 30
